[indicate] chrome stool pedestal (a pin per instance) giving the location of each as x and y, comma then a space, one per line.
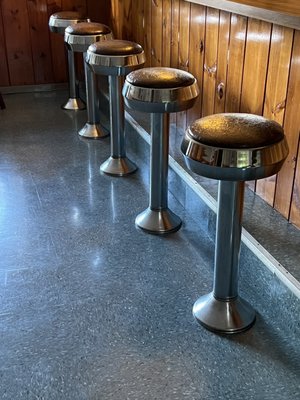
116, 58
58, 22
159, 91
79, 37
232, 148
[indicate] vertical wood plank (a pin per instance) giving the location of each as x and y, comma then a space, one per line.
59, 62
156, 32
99, 11
197, 40
255, 67
183, 52
174, 59
141, 22
210, 61
147, 31
285, 179
174, 33
4, 76
222, 62
276, 90
127, 21
115, 19
235, 63
40, 42
75, 5
184, 35
19, 55
167, 29
138, 22
295, 206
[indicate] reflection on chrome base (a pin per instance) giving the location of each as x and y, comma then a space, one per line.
221, 316
74, 104
93, 131
118, 166
158, 222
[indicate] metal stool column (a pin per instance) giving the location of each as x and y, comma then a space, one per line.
159, 91
58, 22
78, 38
159, 164
116, 58
232, 148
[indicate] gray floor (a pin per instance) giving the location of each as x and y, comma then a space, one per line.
91, 307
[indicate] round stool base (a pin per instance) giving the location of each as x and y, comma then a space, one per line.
93, 131
74, 105
232, 316
118, 166
158, 222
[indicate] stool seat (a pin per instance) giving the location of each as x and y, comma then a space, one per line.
160, 90
115, 57
59, 21
88, 28
80, 36
236, 147
116, 48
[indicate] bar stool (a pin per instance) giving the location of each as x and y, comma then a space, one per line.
79, 37
159, 91
58, 22
116, 58
232, 148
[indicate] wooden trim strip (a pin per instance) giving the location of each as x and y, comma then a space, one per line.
291, 21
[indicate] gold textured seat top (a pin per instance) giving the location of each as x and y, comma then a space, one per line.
69, 15
236, 131
88, 28
116, 48
160, 78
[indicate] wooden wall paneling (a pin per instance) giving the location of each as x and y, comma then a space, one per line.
285, 178
183, 51
156, 32
40, 42
147, 31
16, 29
276, 91
4, 75
237, 40
167, 29
222, 62
58, 54
210, 61
197, 40
127, 28
255, 69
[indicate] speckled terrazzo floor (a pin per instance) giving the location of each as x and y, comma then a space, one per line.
92, 308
